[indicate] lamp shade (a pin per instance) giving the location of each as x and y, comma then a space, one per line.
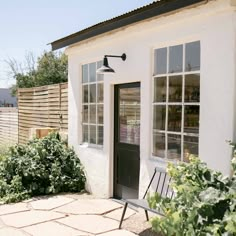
105, 67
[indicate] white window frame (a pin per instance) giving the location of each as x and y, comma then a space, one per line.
167, 103
97, 125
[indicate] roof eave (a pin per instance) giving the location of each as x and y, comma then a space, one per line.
123, 20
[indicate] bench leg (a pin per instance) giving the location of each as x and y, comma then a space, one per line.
146, 213
123, 215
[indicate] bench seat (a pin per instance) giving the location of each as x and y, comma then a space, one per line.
142, 203
162, 187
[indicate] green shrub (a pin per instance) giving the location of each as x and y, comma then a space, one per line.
204, 202
3, 152
43, 166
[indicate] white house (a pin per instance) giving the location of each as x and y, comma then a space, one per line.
174, 95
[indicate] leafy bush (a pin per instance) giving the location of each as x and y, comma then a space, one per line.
204, 202
43, 166
3, 152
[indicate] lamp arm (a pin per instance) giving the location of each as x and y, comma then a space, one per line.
123, 56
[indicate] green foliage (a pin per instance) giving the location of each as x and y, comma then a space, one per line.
204, 202
43, 166
3, 152
50, 68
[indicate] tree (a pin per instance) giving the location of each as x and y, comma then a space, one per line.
50, 68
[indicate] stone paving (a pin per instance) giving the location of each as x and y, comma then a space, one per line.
63, 215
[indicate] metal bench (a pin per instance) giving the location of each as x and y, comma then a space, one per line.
162, 187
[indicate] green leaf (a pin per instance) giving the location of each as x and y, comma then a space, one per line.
204, 202
43, 166
210, 195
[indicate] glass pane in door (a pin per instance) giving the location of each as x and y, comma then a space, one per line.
129, 115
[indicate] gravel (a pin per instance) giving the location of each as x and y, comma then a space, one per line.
138, 224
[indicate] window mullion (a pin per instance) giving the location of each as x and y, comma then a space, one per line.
88, 105
167, 101
96, 111
182, 118
152, 126
182, 121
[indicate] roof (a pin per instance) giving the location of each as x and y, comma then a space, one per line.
148, 11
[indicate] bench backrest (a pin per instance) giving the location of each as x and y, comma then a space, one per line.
162, 183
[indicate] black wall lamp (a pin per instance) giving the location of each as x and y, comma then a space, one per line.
105, 67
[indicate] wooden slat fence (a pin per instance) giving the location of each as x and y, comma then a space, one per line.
42, 107
8, 126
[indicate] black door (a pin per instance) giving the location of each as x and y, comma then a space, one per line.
127, 138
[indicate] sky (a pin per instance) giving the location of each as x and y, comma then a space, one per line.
29, 25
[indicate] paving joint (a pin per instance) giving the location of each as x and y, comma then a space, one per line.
65, 216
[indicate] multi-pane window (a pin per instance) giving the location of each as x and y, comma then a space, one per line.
176, 101
92, 104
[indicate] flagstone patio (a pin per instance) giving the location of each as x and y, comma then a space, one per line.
63, 215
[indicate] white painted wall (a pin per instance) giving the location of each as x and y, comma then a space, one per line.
234, 120
214, 25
